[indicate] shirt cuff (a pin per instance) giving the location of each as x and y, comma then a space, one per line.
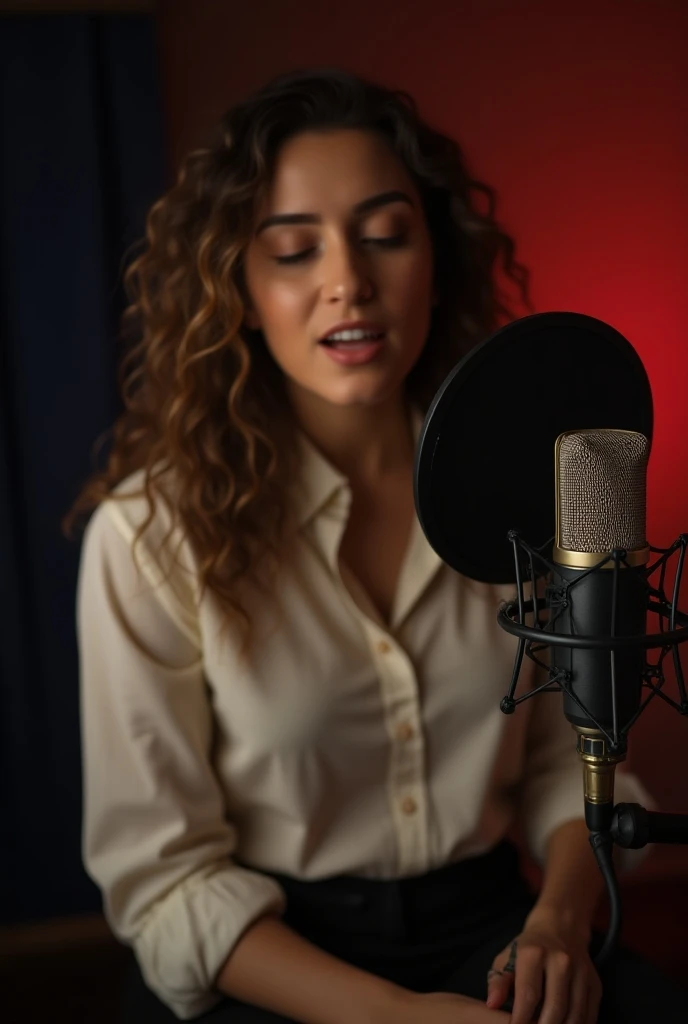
186, 938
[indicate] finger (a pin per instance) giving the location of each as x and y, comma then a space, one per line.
578, 999
555, 1006
499, 986
594, 999
528, 982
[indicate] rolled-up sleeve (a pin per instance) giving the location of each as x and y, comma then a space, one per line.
156, 839
552, 789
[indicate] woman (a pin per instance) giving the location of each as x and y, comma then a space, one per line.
298, 782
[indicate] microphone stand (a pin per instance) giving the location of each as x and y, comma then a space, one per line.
628, 825
632, 827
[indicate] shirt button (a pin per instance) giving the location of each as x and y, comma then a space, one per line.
405, 732
383, 647
409, 805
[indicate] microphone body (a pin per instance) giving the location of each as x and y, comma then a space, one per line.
588, 611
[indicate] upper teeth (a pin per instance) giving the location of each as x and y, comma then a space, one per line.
355, 335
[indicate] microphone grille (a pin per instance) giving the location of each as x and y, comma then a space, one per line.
602, 490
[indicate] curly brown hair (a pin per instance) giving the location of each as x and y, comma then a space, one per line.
203, 399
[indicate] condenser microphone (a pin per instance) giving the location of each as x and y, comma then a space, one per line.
598, 588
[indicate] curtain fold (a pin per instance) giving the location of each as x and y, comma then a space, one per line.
81, 159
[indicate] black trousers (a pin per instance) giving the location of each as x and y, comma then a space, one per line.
435, 932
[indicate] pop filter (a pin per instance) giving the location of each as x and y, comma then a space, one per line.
485, 455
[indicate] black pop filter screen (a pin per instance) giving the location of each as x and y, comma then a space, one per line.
485, 457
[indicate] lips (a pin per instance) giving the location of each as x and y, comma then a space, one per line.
355, 353
352, 332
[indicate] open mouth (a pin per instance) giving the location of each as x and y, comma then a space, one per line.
352, 339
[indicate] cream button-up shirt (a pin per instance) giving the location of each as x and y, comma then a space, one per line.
340, 745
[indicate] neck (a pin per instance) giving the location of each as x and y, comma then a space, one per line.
362, 442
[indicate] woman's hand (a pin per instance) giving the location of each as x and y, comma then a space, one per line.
549, 972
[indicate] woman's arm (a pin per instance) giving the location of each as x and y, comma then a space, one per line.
572, 884
273, 967
157, 838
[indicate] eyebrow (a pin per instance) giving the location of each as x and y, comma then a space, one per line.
365, 206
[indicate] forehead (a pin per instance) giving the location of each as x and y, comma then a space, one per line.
332, 171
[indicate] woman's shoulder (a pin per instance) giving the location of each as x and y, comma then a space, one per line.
144, 517
140, 503
138, 553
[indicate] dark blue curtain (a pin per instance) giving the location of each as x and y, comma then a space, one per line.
81, 159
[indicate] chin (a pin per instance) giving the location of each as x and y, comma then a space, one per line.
374, 390
365, 397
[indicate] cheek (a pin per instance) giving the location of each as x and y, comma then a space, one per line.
414, 287
283, 305
415, 271
277, 301
283, 310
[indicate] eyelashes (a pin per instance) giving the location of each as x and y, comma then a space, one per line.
296, 257
386, 242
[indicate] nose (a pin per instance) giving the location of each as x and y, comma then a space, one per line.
346, 277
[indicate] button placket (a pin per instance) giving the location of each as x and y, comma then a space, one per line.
399, 690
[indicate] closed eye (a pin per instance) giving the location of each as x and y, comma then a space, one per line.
295, 257
384, 242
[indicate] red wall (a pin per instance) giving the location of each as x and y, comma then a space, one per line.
578, 114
